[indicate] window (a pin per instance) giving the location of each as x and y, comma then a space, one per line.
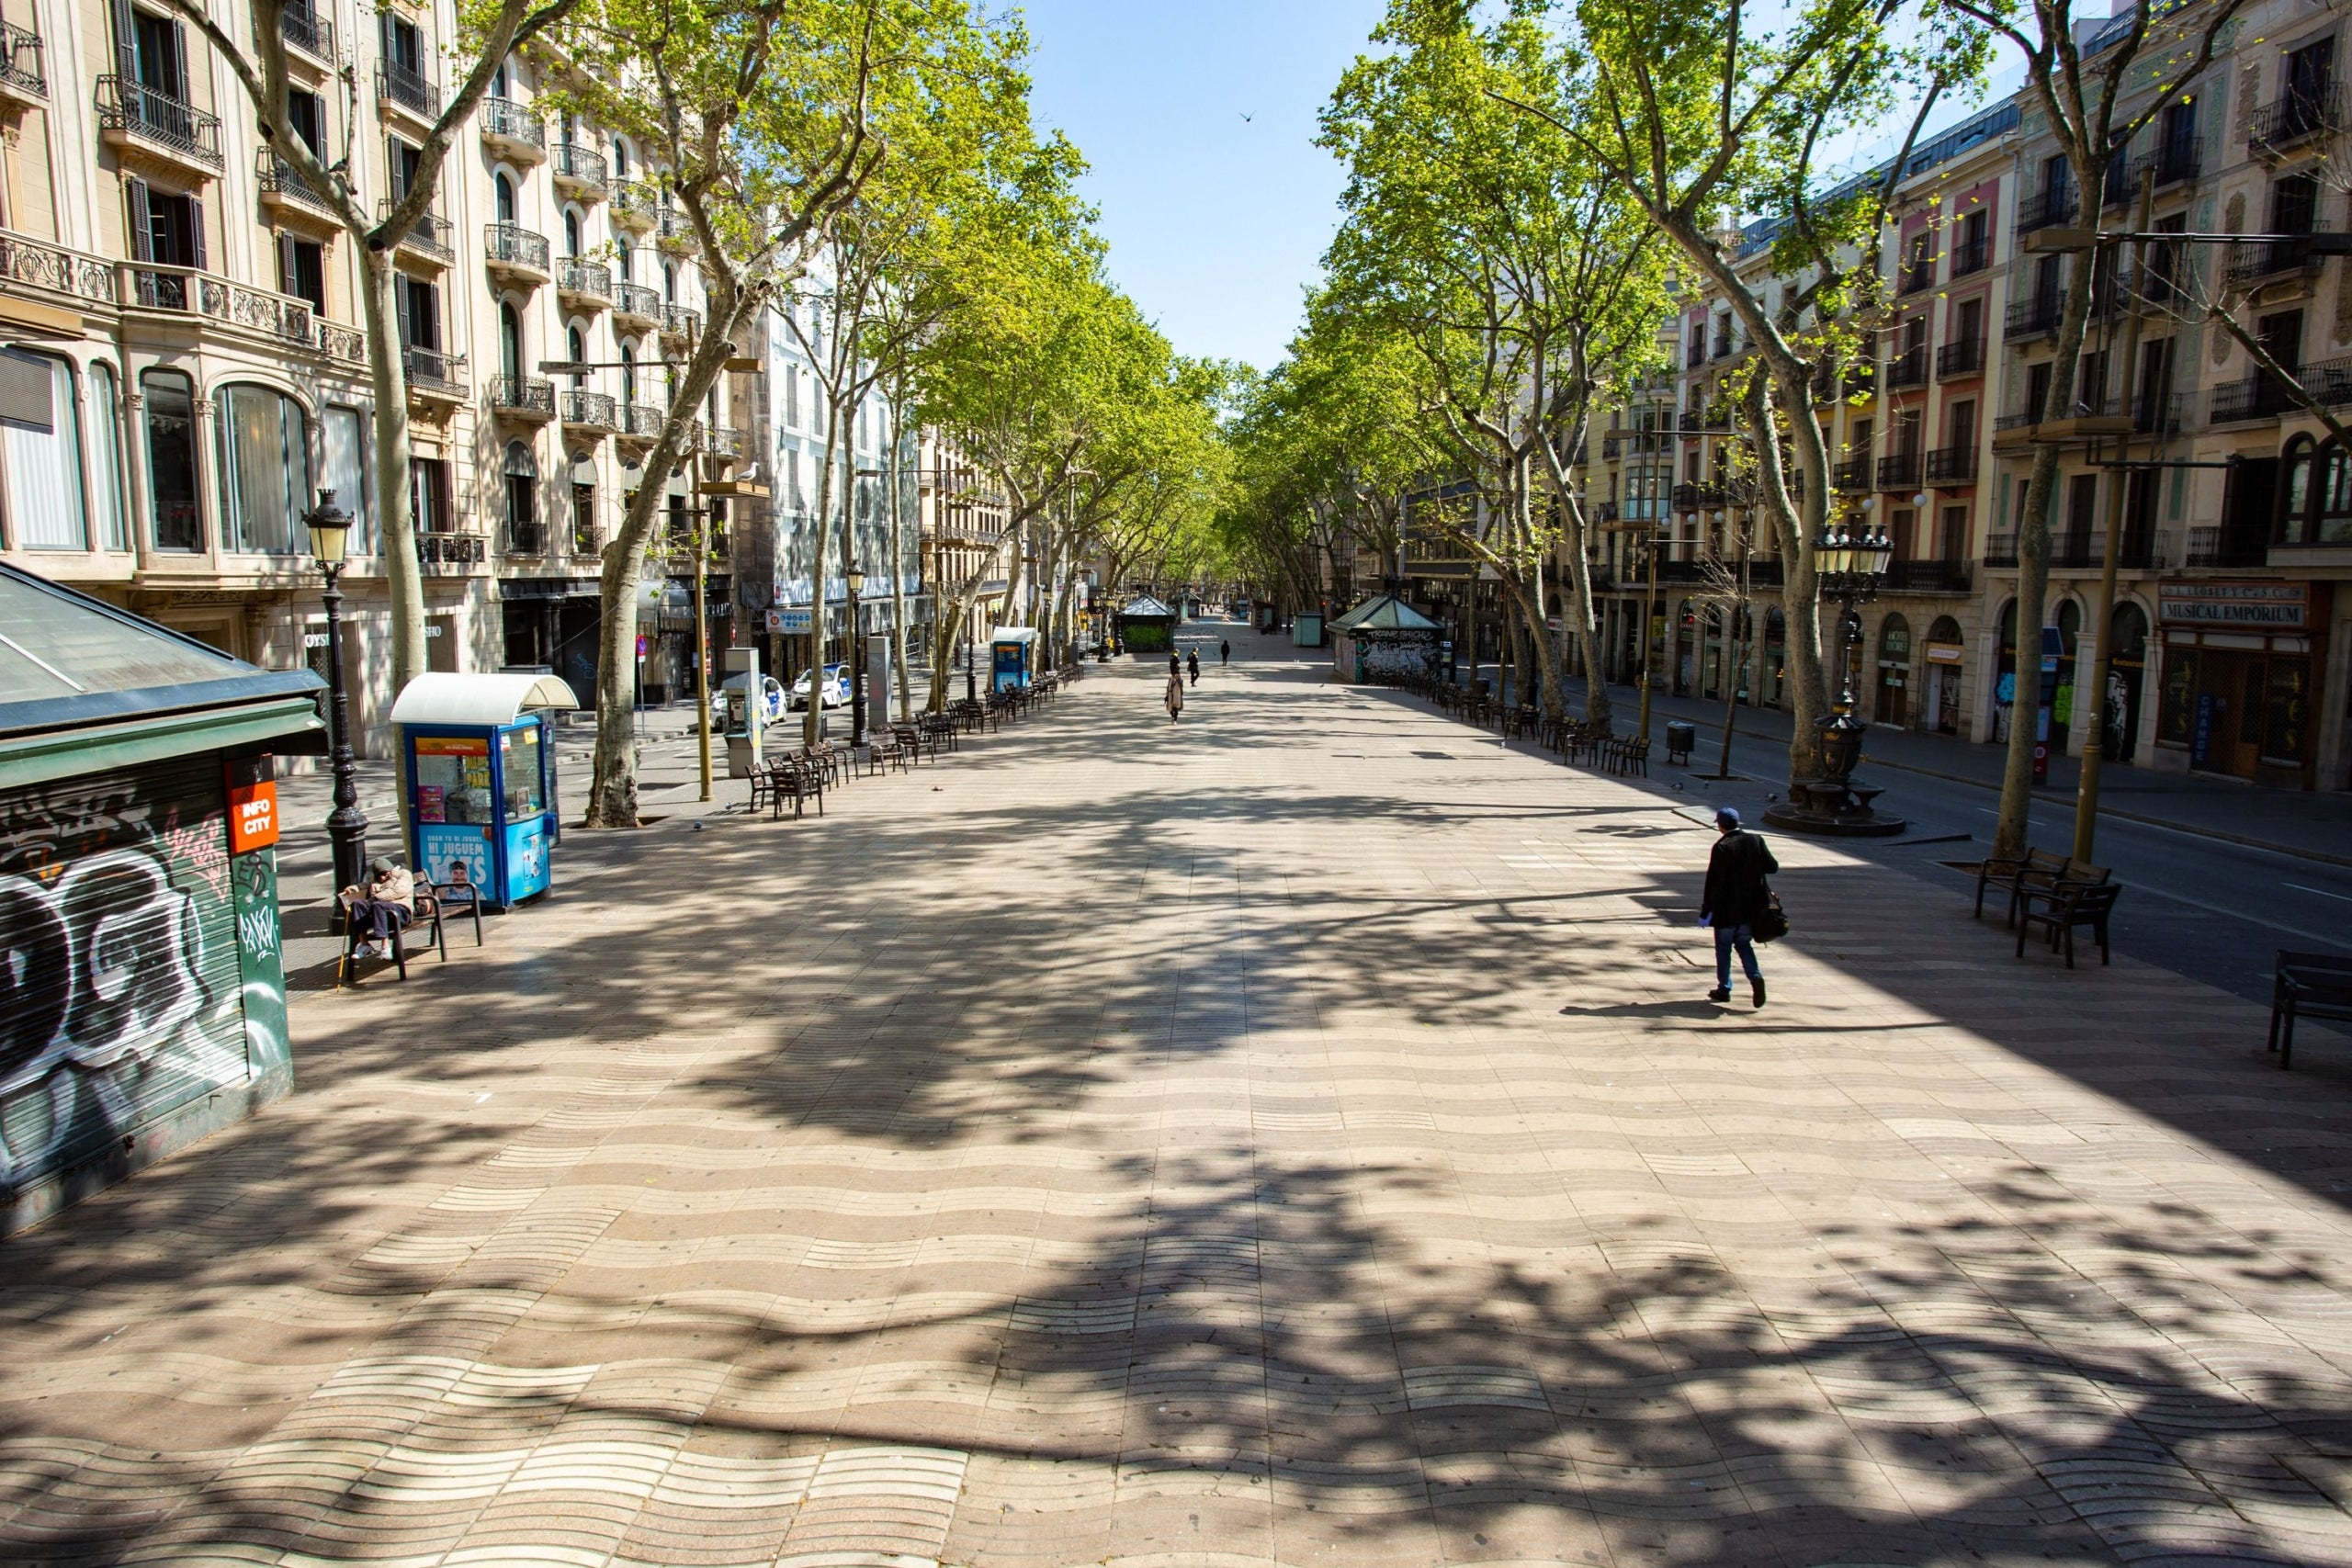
620, 159
2037, 391
2310, 71
419, 305
403, 45
1971, 250
522, 500
303, 271
623, 259
2294, 205
570, 233
792, 397
159, 47
629, 373
107, 510
2281, 338
405, 163
168, 231
428, 495
577, 347
1961, 421
668, 283
2332, 523
265, 469
504, 189
343, 446
510, 342
1968, 319
43, 450
170, 401
1952, 535
584, 520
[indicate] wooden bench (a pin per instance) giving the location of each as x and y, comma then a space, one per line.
2307, 985
797, 780
426, 903
2066, 906
2035, 868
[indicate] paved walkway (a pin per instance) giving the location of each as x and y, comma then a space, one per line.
1289, 1136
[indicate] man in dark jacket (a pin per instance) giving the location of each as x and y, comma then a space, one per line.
1735, 897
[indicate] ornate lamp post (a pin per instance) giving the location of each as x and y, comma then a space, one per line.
330, 528
856, 576
1850, 569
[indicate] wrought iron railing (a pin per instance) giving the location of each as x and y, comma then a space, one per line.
1851, 475
2294, 119
1908, 368
275, 176
678, 321
592, 411
307, 31
1898, 470
582, 166
164, 122
643, 421
150, 286
1928, 577
635, 203
1971, 256
1951, 466
445, 549
510, 121
399, 84
2259, 259
2033, 316
511, 245
1962, 357
2046, 208
522, 394
431, 370
637, 299
20, 60
592, 279
431, 233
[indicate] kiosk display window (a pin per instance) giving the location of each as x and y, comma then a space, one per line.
452, 779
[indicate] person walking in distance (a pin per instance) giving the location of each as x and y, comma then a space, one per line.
1223, 653
1735, 897
1192, 663
1175, 664
1175, 695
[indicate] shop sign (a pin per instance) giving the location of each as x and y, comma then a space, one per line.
2264, 607
252, 816
1943, 652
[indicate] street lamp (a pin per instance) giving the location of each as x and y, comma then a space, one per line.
330, 528
856, 576
1849, 567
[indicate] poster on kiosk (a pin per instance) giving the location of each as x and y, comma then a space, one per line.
478, 765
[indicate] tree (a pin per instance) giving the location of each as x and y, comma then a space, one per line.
488, 32
1696, 114
1515, 267
768, 120
2080, 85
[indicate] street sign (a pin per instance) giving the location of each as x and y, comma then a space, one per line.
786, 622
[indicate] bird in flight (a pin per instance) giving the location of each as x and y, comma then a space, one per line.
1245, 119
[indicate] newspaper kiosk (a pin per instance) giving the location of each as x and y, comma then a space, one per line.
478, 761
1013, 658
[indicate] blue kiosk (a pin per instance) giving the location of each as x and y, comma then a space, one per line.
1013, 658
478, 762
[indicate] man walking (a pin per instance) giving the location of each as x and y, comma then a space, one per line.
1735, 896
1223, 653
1193, 664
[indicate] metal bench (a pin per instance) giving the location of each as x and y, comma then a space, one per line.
2307, 985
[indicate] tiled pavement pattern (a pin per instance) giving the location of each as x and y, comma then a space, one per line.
1290, 1136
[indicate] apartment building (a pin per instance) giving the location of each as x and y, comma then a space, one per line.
183, 368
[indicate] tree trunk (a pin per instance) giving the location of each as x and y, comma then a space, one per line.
403, 566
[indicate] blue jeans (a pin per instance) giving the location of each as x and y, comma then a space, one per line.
1730, 937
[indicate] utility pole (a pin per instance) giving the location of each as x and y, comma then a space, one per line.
702, 619
2110, 557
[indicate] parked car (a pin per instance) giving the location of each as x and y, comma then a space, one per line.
836, 687
770, 699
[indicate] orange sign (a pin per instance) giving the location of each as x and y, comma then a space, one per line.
253, 817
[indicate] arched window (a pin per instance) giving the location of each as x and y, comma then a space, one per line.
620, 159
109, 515
2070, 628
264, 445
502, 81
2131, 633
670, 282
1776, 625
1895, 641
2331, 516
576, 348
2293, 525
2010, 629
570, 233
522, 473
505, 197
628, 373
623, 257
509, 341
1946, 630
45, 465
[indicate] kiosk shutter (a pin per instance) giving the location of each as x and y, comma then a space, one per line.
120, 992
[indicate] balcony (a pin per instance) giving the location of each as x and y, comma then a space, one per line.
579, 171
642, 422
1951, 466
2212, 546
2046, 208
525, 537
521, 398
1726, 345
74, 278
591, 412
431, 237
451, 553
1695, 498
1899, 470
1696, 358
1970, 256
1929, 577
287, 197
1962, 358
1851, 477
677, 321
2036, 315
2293, 120
2170, 164
281, 318
515, 253
512, 132
307, 31
584, 284
432, 374
723, 442
137, 121
636, 308
1908, 368
675, 232
2262, 260
1861, 381
634, 204
24, 80
1917, 279
2265, 397
400, 89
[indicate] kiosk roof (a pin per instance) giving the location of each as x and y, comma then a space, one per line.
441, 698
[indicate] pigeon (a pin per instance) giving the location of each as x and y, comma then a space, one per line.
1676, 788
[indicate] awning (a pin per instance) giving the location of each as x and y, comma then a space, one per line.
441, 698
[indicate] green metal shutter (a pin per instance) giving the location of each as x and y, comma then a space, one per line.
121, 989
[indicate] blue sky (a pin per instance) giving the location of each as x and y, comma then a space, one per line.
1215, 224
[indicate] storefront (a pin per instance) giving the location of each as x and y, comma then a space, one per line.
2240, 659
143, 997
1943, 656
1894, 670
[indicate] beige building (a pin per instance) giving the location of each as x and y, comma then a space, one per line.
178, 335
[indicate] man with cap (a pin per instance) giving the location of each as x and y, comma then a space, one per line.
1735, 895
388, 900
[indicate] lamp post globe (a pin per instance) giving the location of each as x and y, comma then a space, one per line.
330, 529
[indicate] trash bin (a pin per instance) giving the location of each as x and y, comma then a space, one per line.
1679, 738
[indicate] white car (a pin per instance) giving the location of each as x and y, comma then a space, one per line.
836, 687
770, 699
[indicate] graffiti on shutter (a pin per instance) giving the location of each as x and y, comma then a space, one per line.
121, 981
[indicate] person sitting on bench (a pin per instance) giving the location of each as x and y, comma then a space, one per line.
388, 900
